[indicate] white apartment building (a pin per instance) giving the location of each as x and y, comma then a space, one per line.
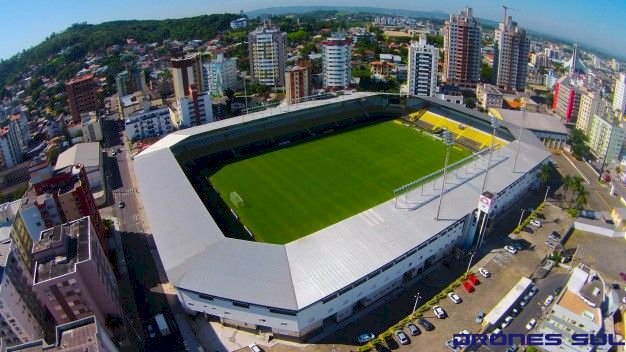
91, 127
422, 70
606, 138
590, 103
219, 75
19, 122
191, 111
10, 150
145, 124
488, 96
336, 62
511, 56
266, 49
619, 93
576, 310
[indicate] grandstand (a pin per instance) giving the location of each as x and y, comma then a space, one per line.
463, 134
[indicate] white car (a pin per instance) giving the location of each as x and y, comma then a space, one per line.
535, 223
531, 324
548, 300
506, 322
484, 272
254, 347
439, 312
364, 338
510, 249
454, 297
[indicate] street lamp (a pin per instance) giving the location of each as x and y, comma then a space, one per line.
448, 141
417, 298
494, 125
546, 196
521, 216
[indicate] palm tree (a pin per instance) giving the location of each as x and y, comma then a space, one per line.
567, 185
544, 174
581, 197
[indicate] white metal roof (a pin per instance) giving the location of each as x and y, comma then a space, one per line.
198, 257
87, 154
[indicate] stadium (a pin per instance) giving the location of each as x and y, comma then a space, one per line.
291, 219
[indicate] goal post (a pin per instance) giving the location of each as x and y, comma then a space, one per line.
236, 200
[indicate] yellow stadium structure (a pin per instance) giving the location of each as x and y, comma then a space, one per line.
460, 131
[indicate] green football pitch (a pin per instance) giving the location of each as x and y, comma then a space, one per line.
294, 191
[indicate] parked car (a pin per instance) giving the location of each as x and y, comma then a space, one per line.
454, 297
496, 331
113, 153
484, 272
515, 312
524, 300
381, 348
479, 317
510, 249
557, 290
533, 291
402, 338
439, 312
548, 300
254, 347
535, 223
550, 244
531, 324
615, 285
553, 238
556, 234
413, 329
506, 322
566, 259
365, 338
428, 326
151, 333
121, 205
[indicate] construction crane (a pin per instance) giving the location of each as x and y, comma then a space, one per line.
505, 10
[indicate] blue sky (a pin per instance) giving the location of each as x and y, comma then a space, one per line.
599, 22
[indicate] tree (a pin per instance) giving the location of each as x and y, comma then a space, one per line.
436, 40
545, 173
470, 102
578, 140
568, 183
582, 196
53, 154
486, 73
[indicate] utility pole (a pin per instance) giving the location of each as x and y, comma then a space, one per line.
519, 138
447, 140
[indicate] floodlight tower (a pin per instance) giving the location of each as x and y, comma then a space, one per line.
494, 125
519, 138
449, 142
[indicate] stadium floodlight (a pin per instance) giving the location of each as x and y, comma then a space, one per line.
519, 138
494, 126
449, 142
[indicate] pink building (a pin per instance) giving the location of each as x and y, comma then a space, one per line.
72, 275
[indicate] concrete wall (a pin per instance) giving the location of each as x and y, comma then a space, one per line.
598, 229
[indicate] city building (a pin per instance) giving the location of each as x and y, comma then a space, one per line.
82, 95
266, 50
512, 46
72, 276
619, 93
239, 23
422, 68
193, 110
89, 155
576, 310
219, 75
606, 137
590, 103
91, 126
462, 44
381, 70
566, 101
488, 96
575, 64
298, 82
297, 289
337, 61
18, 122
10, 151
363, 36
155, 121
129, 81
615, 66
83, 335
17, 322
187, 73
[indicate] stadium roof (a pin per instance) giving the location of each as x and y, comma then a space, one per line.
300, 273
535, 121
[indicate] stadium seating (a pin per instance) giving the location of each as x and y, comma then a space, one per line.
461, 132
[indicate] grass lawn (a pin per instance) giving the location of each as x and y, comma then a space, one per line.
295, 191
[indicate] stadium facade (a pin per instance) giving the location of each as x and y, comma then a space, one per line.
295, 290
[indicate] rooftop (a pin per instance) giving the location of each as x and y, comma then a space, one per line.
77, 336
60, 249
80, 79
579, 297
86, 154
535, 121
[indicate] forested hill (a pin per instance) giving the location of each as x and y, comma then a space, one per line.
83, 38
